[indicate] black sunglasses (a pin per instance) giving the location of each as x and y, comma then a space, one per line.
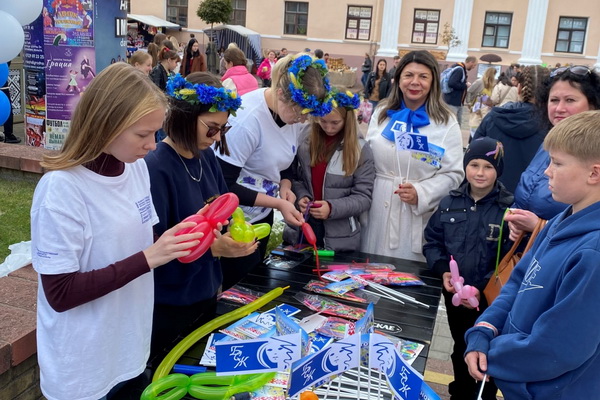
577, 70
213, 130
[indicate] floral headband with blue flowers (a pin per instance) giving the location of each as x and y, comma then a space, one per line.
309, 102
221, 99
347, 99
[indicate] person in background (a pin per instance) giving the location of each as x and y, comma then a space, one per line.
9, 136
318, 54
409, 180
540, 338
141, 60
335, 175
264, 139
518, 126
237, 78
467, 222
283, 52
569, 91
184, 177
95, 257
459, 84
265, 68
160, 74
378, 84
393, 70
504, 92
366, 68
193, 60
479, 98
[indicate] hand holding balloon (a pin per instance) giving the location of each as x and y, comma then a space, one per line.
243, 232
217, 213
466, 292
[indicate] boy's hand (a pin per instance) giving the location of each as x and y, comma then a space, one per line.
477, 363
520, 221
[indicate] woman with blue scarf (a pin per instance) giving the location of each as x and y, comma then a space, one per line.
417, 146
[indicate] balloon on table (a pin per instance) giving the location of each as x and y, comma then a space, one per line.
13, 36
24, 11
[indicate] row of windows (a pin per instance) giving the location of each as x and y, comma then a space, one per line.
426, 24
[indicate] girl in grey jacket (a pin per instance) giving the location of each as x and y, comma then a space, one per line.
335, 174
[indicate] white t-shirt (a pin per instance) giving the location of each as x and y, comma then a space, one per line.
261, 148
81, 221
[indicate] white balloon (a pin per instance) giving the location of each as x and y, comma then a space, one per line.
24, 11
12, 35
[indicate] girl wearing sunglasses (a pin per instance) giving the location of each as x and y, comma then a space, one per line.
184, 177
569, 91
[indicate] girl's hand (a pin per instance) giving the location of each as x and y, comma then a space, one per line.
465, 302
169, 247
225, 246
285, 191
321, 212
446, 281
477, 362
520, 221
302, 203
290, 214
407, 193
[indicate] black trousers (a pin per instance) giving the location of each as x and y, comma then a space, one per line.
460, 319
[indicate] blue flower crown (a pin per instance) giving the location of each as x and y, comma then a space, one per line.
347, 99
309, 102
221, 99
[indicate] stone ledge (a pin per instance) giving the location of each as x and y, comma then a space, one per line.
18, 293
22, 158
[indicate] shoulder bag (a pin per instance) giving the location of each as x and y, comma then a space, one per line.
505, 267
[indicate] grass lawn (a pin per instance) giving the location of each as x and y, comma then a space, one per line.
16, 196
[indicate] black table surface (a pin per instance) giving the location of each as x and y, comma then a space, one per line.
416, 322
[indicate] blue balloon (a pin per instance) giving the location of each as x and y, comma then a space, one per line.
3, 74
5, 108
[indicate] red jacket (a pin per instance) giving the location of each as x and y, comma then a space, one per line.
262, 73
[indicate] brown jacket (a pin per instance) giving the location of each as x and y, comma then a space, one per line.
198, 64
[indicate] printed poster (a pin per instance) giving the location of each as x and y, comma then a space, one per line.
69, 70
68, 23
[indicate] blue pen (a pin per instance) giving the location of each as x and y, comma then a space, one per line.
188, 369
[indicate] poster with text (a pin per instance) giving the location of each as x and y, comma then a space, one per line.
56, 133
68, 22
69, 70
33, 47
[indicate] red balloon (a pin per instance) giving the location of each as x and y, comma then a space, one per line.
309, 234
217, 213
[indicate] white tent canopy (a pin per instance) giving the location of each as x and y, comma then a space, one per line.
247, 40
152, 21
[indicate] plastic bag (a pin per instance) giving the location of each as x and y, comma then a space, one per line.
20, 256
364, 111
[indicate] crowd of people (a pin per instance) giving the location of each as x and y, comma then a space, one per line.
114, 296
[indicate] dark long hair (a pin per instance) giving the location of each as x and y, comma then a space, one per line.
188, 49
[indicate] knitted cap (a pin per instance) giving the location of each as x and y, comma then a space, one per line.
487, 149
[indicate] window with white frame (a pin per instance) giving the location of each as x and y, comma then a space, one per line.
496, 30
570, 37
238, 15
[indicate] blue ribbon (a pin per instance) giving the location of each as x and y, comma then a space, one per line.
413, 119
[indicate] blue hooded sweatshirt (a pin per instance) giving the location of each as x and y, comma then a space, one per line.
547, 317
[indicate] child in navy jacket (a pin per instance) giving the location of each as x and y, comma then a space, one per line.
540, 339
466, 225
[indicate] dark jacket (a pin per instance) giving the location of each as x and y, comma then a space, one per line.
385, 84
519, 129
367, 66
159, 76
468, 231
458, 83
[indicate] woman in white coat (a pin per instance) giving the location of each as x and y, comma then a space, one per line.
417, 147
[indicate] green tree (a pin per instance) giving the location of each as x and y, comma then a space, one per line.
215, 11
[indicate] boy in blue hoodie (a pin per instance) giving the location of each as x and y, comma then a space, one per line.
540, 339
466, 225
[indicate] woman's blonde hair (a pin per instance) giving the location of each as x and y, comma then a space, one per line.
115, 99
139, 57
320, 152
489, 78
436, 108
312, 81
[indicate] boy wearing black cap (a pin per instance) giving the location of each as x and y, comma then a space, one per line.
466, 225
